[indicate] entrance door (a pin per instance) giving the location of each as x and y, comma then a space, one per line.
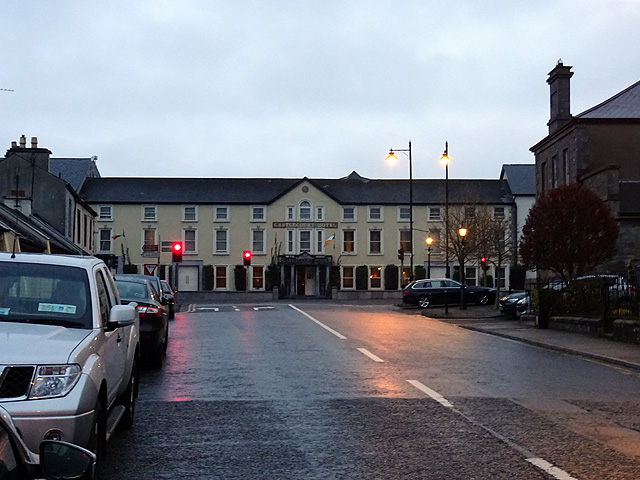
187, 278
301, 277
310, 282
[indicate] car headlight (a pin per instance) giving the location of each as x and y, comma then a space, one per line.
54, 380
522, 301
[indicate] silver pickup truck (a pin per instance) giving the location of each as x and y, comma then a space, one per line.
69, 351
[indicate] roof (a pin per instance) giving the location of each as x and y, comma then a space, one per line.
73, 170
350, 190
521, 178
625, 104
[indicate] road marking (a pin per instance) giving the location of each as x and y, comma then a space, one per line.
192, 308
215, 309
538, 462
370, 355
263, 308
329, 329
432, 393
236, 309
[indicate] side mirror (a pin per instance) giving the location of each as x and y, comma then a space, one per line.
122, 315
65, 461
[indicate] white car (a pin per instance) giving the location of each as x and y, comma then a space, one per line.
68, 350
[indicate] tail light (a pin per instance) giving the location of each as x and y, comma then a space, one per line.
149, 310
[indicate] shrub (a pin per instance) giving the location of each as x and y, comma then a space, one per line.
391, 277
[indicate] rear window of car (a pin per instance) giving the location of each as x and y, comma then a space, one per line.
42, 293
132, 290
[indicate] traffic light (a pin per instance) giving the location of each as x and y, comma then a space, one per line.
401, 253
176, 252
246, 257
483, 262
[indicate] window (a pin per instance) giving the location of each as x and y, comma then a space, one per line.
221, 278
190, 241
469, 212
291, 212
348, 214
291, 244
375, 242
105, 239
554, 169
375, 214
319, 213
434, 214
105, 213
565, 166
375, 277
470, 276
305, 241
221, 241
404, 214
305, 210
149, 213
347, 277
498, 213
257, 241
405, 241
320, 241
258, 214
500, 277
149, 236
348, 241
221, 213
189, 213
257, 277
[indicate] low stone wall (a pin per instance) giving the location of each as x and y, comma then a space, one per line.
627, 331
589, 326
364, 295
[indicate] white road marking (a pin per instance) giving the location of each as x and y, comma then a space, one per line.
432, 393
263, 308
329, 329
538, 462
370, 355
215, 309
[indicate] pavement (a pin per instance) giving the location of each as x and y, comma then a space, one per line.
489, 320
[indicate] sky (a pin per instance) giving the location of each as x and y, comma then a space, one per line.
288, 89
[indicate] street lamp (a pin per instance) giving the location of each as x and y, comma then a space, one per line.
392, 159
429, 242
463, 304
445, 161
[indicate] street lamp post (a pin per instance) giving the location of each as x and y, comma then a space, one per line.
392, 159
445, 160
429, 242
463, 301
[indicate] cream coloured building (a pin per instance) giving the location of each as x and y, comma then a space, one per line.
306, 235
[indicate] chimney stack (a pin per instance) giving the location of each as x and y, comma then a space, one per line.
34, 142
559, 83
23, 141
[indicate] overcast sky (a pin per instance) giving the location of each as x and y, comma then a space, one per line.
207, 88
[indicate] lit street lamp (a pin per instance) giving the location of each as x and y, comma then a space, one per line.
429, 242
463, 303
392, 159
445, 161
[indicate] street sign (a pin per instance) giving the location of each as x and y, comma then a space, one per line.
150, 269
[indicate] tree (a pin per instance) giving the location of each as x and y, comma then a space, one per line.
569, 231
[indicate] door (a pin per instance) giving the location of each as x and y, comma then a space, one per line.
310, 282
187, 278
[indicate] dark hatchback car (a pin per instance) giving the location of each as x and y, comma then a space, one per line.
438, 291
514, 304
154, 318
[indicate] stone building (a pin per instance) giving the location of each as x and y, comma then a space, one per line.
599, 148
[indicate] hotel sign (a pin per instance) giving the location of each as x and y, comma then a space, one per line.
305, 224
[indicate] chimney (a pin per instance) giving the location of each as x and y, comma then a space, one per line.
23, 141
34, 142
559, 82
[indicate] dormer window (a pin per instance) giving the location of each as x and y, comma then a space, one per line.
305, 210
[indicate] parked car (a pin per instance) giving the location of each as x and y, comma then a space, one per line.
171, 298
155, 281
437, 291
514, 304
154, 318
68, 350
56, 460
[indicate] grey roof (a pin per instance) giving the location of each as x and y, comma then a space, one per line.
521, 178
74, 171
625, 104
350, 190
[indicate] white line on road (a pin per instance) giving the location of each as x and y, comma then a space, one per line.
370, 355
432, 393
263, 308
555, 472
215, 309
337, 334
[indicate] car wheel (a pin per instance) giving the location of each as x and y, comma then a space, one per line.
98, 438
128, 399
483, 299
423, 301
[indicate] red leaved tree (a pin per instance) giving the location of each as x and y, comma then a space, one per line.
569, 231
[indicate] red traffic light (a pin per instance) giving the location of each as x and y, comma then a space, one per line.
176, 252
246, 257
176, 247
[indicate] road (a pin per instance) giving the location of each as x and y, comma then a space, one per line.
316, 390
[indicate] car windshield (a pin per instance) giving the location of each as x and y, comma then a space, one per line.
132, 291
48, 294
